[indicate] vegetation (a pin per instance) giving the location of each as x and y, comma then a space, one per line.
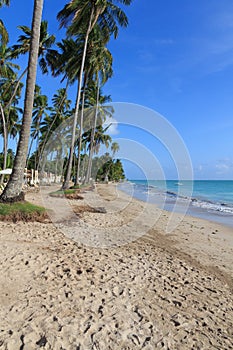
81, 57
111, 171
22, 211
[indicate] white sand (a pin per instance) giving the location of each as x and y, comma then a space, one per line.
157, 292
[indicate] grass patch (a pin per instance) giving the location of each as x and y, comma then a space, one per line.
22, 211
62, 193
69, 194
82, 187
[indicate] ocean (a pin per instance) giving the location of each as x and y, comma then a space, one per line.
206, 199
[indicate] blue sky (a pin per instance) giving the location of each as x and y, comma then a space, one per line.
176, 57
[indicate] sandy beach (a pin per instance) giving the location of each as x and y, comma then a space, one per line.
113, 279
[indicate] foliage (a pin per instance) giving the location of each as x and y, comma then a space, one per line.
10, 159
111, 171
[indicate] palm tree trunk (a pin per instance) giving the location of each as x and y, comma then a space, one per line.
13, 190
29, 150
80, 83
16, 88
80, 138
5, 138
87, 179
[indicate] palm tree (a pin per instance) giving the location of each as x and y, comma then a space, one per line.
7, 68
81, 16
3, 33
40, 108
3, 30
23, 47
101, 69
13, 190
100, 137
60, 112
98, 68
8, 117
100, 111
114, 148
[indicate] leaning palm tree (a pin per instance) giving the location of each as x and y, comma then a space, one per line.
13, 190
60, 112
81, 16
98, 60
102, 71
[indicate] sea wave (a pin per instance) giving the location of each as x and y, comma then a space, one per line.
171, 196
211, 206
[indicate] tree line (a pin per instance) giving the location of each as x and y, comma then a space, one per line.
82, 57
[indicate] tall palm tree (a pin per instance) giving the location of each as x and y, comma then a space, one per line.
60, 112
101, 69
3, 31
8, 117
13, 190
40, 109
81, 17
114, 148
100, 137
23, 47
7, 67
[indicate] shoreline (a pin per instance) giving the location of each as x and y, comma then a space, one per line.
217, 216
157, 291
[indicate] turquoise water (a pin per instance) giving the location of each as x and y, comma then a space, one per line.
208, 199
209, 190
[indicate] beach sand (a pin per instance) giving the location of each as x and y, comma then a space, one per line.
114, 279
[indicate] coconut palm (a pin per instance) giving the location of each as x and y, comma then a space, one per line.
60, 112
114, 148
7, 67
23, 47
7, 73
13, 190
9, 117
40, 109
3, 31
99, 68
81, 16
100, 137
